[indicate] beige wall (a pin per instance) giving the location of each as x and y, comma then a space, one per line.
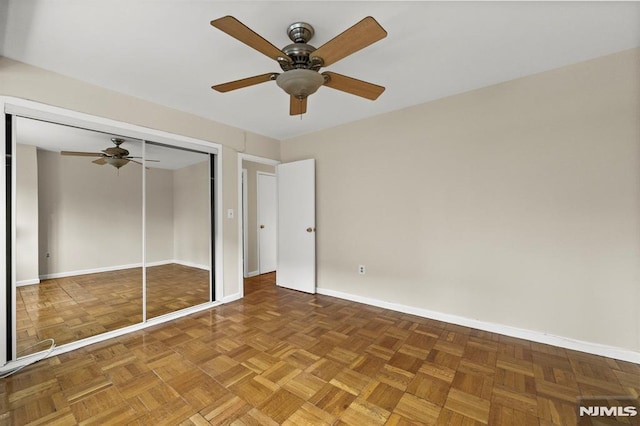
90, 216
95, 221
28, 82
517, 204
26, 215
191, 228
159, 245
252, 211
231, 242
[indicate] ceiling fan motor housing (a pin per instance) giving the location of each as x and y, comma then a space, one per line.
116, 151
299, 54
299, 51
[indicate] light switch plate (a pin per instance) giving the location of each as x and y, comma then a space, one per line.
230, 214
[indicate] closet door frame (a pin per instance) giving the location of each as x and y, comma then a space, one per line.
12, 107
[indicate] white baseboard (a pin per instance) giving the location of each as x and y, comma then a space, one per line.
159, 262
190, 264
89, 271
534, 336
252, 274
117, 268
231, 298
32, 281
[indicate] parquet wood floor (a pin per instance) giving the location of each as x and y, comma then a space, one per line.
72, 308
283, 357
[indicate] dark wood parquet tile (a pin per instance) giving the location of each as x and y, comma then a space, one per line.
283, 357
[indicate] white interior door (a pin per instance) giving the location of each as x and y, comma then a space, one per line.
297, 226
267, 222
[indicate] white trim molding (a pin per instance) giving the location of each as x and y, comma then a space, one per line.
534, 336
256, 159
23, 283
232, 298
118, 268
189, 264
245, 221
90, 271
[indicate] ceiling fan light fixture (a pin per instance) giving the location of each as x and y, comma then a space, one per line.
300, 82
116, 162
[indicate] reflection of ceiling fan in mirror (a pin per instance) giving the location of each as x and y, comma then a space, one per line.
301, 62
115, 156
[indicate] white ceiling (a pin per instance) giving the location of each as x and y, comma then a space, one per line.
56, 138
167, 52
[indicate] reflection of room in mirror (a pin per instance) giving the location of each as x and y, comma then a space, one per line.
178, 231
79, 232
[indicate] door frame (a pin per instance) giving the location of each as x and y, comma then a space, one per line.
274, 175
241, 256
245, 220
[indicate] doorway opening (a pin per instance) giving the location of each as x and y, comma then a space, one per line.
258, 224
295, 228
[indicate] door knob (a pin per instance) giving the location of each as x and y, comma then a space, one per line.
311, 229
261, 226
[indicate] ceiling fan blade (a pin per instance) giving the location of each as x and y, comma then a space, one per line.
297, 106
241, 32
137, 162
81, 154
99, 161
245, 82
359, 36
131, 158
353, 86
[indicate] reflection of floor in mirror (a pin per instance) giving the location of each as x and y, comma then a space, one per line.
174, 287
73, 308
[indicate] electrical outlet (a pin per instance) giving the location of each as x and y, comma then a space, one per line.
361, 270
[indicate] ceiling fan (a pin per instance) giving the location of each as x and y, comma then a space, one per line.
115, 156
301, 62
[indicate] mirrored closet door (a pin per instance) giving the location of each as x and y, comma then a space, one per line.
110, 231
78, 241
178, 229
